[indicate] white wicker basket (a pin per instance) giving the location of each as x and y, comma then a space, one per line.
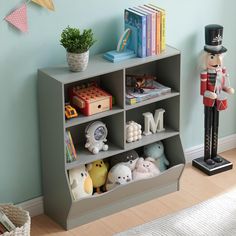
20, 218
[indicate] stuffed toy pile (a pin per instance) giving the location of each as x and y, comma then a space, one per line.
96, 177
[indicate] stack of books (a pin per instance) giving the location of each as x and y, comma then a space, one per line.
147, 24
70, 149
6, 224
152, 90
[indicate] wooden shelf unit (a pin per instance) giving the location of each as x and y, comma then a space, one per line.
53, 84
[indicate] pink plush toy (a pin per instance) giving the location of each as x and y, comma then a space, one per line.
145, 169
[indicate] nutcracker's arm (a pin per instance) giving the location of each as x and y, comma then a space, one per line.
203, 85
226, 83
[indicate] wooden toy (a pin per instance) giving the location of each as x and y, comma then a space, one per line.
214, 86
90, 100
70, 112
155, 124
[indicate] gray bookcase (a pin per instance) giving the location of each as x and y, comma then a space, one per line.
53, 87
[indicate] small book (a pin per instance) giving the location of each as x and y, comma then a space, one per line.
152, 15
148, 30
137, 23
162, 24
6, 222
70, 149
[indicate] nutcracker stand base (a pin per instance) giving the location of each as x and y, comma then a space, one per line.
212, 169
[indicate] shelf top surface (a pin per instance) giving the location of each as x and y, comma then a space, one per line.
98, 65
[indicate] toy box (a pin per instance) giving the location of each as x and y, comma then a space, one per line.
90, 100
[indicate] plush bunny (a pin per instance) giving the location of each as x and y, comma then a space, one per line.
118, 175
80, 182
145, 168
156, 151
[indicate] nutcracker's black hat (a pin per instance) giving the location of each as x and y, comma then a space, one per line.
213, 39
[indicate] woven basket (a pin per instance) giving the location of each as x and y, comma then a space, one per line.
20, 218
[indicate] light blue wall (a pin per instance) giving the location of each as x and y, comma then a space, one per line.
21, 55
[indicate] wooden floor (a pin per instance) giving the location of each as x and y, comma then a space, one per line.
195, 187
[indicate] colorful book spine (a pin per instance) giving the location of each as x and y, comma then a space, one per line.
148, 30
153, 28
70, 149
137, 23
158, 32
163, 24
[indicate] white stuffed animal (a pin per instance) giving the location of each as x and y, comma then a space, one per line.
145, 169
119, 174
80, 182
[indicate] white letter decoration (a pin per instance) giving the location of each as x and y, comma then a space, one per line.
154, 124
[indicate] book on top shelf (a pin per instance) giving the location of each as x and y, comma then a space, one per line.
162, 24
137, 23
152, 28
148, 30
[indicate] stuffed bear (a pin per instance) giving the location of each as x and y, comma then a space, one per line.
156, 151
98, 172
119, 174
80, 182
127, 158
145, 169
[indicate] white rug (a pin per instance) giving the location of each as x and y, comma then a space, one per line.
214, 217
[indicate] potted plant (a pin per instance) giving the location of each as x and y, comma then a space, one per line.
77, 46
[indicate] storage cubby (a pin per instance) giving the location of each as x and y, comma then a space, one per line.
54, 84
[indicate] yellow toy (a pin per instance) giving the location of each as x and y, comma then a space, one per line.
98, 172
70, 112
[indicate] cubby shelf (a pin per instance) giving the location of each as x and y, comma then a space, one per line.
53, 85
85, 157
83, 119
152, 100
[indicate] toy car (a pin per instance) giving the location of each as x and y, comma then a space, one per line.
70, 112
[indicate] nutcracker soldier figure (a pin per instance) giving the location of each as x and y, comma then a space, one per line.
214, 87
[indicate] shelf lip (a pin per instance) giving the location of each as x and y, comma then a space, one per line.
167, 133
85, 156
152, 100
98, 66
84, 119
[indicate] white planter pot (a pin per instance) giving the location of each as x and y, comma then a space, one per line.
77, 61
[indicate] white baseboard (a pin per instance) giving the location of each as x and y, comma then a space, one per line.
35, 206
224, 144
